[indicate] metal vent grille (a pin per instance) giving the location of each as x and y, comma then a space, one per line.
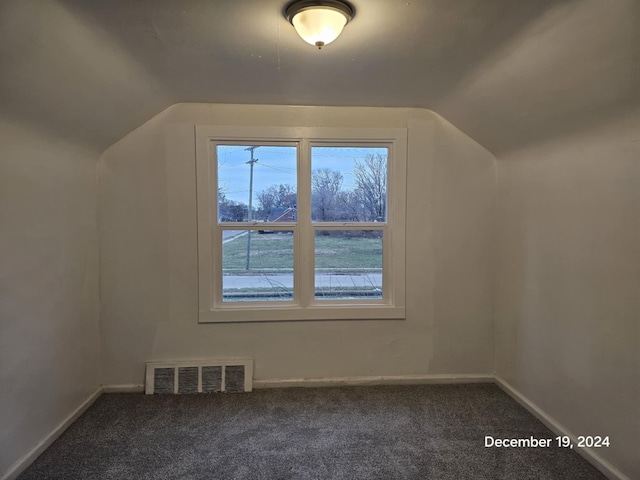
207, 376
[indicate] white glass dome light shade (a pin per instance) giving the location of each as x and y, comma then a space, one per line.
319, 22
319, 26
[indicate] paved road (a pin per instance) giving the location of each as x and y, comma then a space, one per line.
286, 280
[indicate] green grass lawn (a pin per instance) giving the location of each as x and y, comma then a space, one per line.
343, 253
268, 252
275, 252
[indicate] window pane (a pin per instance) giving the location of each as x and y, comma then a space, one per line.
349, 184
261, 177
348, 264
257, 265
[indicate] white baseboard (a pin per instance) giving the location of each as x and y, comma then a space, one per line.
21, 465
377, 380
126, 388
587, 453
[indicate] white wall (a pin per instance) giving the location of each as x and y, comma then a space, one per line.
149, 256
49, 342
568, 296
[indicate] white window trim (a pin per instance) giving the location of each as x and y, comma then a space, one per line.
304, 306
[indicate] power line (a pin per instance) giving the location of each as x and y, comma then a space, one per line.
278, 169
224, 165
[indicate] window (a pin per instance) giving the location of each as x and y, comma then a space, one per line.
300, 223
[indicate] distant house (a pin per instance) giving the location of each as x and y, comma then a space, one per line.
282, 214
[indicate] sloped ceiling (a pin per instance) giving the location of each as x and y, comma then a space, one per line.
506, 72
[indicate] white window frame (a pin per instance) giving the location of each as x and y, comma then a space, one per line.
304, 306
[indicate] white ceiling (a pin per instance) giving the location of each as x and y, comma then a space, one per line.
507, 72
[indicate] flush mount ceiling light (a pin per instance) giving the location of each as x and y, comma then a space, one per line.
319, 22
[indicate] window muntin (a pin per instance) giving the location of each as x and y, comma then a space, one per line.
302, 304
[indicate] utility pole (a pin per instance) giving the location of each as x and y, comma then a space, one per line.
251, 163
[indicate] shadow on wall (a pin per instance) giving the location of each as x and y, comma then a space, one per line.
68, 78
572, 69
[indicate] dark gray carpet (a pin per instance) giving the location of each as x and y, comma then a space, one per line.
409, 432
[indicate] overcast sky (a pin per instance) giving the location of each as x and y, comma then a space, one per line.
277, 164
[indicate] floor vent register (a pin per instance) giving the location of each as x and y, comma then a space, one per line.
207, 376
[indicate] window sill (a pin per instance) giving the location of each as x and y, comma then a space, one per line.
295, 313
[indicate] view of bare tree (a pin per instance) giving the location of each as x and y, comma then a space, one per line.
281, 196
371, 190
325, 186
230, 210
367, 202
